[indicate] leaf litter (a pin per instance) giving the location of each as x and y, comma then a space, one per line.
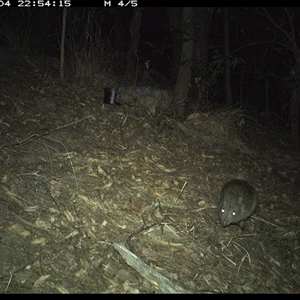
99, 198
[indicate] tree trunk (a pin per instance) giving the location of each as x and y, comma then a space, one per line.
290, 37
229, 100
175, 19
45, 24
118, 30
62, 44
132, 57
295, 104
295, 100
201, 29
184, 74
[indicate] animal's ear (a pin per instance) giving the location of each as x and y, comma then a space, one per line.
240, 200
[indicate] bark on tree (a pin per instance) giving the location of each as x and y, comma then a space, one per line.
62, 43
184, 74
201, 29
229, 100
118, 30
132, 57
289, 36
175, 19
295, 107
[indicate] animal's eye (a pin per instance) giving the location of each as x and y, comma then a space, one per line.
222, 210
233, 213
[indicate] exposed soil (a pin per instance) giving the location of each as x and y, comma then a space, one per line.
80, 178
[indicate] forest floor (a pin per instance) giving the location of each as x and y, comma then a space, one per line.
99, 198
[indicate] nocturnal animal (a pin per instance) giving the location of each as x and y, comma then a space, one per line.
238, 202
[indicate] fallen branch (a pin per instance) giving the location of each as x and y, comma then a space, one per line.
38, 135
164, 284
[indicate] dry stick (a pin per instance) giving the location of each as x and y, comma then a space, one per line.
22, 267
144, 227
236, 245
25, 222
48, 154
32, 137
178, 195
67, 151
122, 124
150, 274
36, 135
254, 217
8, 284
